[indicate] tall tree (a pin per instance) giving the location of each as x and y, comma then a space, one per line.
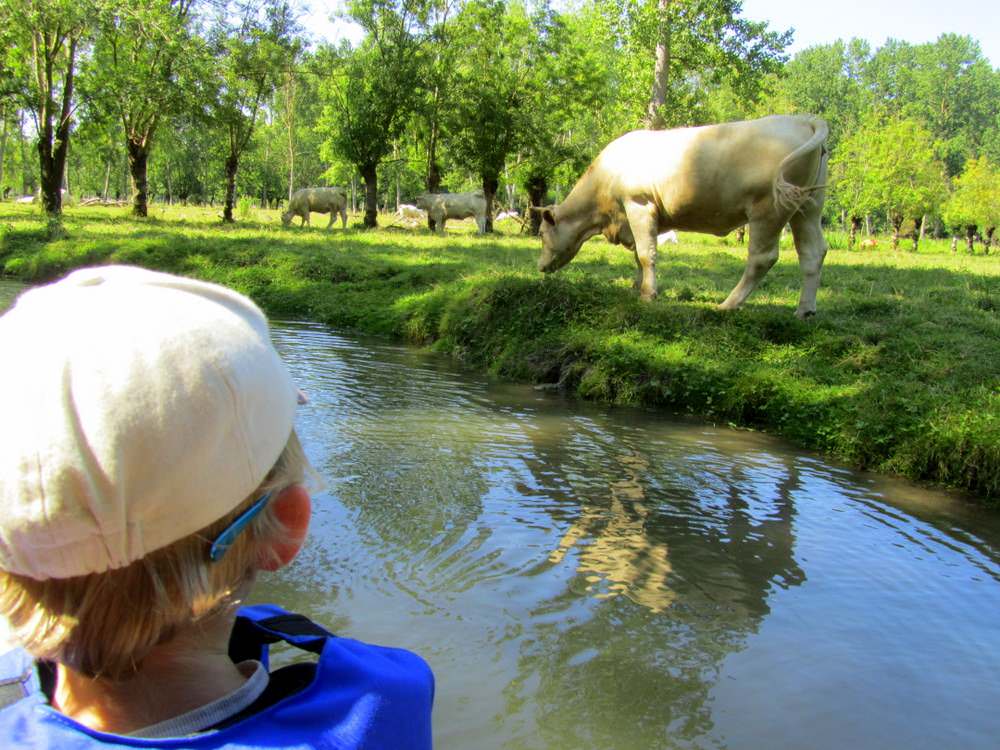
144, 67
694, 41
490, 114
369, 92
571, 77
48, 36
250, 55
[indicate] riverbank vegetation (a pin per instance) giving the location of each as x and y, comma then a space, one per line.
899, 371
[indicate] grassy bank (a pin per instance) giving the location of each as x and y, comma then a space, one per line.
899, 372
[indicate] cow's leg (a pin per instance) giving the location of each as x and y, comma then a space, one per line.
642, 221
343, 218
637, 281
811, 247
333, 215
761, 255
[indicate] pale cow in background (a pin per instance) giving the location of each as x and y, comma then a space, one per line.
507, 215
443, 206
411, 216
765, 173
324, 200
26, 199
670, 236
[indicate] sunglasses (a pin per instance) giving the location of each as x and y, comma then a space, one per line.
225, 540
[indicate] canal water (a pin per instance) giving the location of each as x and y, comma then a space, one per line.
584, 577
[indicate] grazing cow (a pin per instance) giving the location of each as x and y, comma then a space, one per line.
324, 200
26, 199
443, 206
668, 236
765, 173
507, 215
868, 243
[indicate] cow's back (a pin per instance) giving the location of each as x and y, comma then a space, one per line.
704, 178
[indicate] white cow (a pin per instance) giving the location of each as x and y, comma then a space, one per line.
765, 173
507, 215
443, 206
26, 199
324, 200
410, 215
668, 236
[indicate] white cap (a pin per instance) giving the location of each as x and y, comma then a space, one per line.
136, 408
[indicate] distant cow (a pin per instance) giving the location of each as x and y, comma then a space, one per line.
765, 172
443, 206
325, 200
868, 243
668, 236
26, 199
410, 216
507, 215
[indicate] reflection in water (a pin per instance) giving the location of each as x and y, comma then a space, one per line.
618, 557
581, 577
589, 578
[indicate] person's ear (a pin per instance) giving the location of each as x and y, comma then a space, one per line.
292, 507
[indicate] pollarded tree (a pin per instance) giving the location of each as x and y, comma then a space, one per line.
853, 187
369, 92
895, 169
250, 56
47, 37
975, 201
571, 78
145, 66
489, 115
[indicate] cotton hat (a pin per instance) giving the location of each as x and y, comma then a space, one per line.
136, 408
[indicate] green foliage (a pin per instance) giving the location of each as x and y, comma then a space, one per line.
898, 372
975, 200
891, 166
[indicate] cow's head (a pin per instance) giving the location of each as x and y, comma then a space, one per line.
560, 240
286, 218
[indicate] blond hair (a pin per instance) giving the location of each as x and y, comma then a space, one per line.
104, 624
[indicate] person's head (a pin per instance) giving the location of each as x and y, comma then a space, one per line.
142, 416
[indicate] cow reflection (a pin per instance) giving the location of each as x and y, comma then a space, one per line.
616, 555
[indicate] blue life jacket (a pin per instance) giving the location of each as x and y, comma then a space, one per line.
361, 696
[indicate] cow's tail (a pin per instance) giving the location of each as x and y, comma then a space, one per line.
792, 197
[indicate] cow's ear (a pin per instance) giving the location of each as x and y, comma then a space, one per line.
548, 216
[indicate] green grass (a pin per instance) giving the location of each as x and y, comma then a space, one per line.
899, 372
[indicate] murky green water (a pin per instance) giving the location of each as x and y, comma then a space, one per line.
580, 577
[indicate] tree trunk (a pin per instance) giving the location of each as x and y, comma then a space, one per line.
370, 177
989, 239
490, 185
853, 235
923, 226
3, 139
537, 188
354, 194
896, 224
138, 161
970, 238
232, 165
290, 109
868, 225
170, 190
954, 243
918, 232
107, 181
27, 186
661, 70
